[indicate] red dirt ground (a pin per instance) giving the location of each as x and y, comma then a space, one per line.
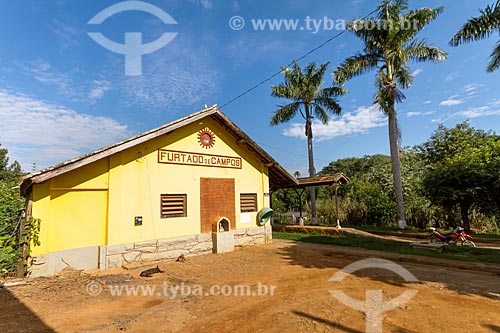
448, 299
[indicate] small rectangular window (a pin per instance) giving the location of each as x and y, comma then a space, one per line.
173, 205
248, 202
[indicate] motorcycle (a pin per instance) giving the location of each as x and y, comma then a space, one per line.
457, 235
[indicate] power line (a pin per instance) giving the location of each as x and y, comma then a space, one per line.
290, 152
290, 64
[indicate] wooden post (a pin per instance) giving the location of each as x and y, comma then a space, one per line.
337, 206
24, 245
20, 269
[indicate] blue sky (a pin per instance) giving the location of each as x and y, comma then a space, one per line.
63, 95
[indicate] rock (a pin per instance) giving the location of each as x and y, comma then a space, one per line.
150, 243
171, 254
204, 238
255, 231
147, 249
150, 257
132, 256
114, 261
202, 247
243, 240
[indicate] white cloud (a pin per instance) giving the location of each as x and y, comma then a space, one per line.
43, 72
417, 72
187, 78
358, 121
452, 76
100, 88
172, 77
341, 46
414, 114
67, 84
207, 4
37, 131
472, 89
491, 109
68, 36
427, 102
452, 101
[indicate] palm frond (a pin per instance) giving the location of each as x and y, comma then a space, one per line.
494, 59
365, 29
478, 28
403, 77
354, 66
388, 9
320, 113
333, 92
415, 20
285, 113
419, 51
318, 74
283, 91
326, 99
314, 80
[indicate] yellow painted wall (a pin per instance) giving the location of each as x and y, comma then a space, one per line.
73, 209
137, 180
41, 209
92, 176
96, 204
80, 223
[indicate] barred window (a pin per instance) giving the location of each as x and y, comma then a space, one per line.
173, 205
248, 202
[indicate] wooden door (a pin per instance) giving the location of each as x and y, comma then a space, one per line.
216, 200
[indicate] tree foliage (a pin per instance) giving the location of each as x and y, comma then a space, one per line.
388, 49
304, 88
462, 174
10, 205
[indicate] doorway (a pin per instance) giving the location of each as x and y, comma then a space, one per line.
217, 200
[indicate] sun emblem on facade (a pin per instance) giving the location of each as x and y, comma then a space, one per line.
206, 138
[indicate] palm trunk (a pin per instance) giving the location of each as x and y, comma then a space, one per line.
311, 169
396, 168
464, 213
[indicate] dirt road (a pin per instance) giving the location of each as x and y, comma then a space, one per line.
447, 300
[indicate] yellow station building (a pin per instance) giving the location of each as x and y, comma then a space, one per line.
154, 196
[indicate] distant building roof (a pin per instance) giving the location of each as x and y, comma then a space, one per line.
332, 179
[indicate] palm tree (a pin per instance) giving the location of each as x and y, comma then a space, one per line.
309, 99
482, 27
389, 48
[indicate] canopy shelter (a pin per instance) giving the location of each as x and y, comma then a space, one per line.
336, 180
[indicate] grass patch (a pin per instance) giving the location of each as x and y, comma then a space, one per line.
491, 236
449, 251
383, 228
495, 234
